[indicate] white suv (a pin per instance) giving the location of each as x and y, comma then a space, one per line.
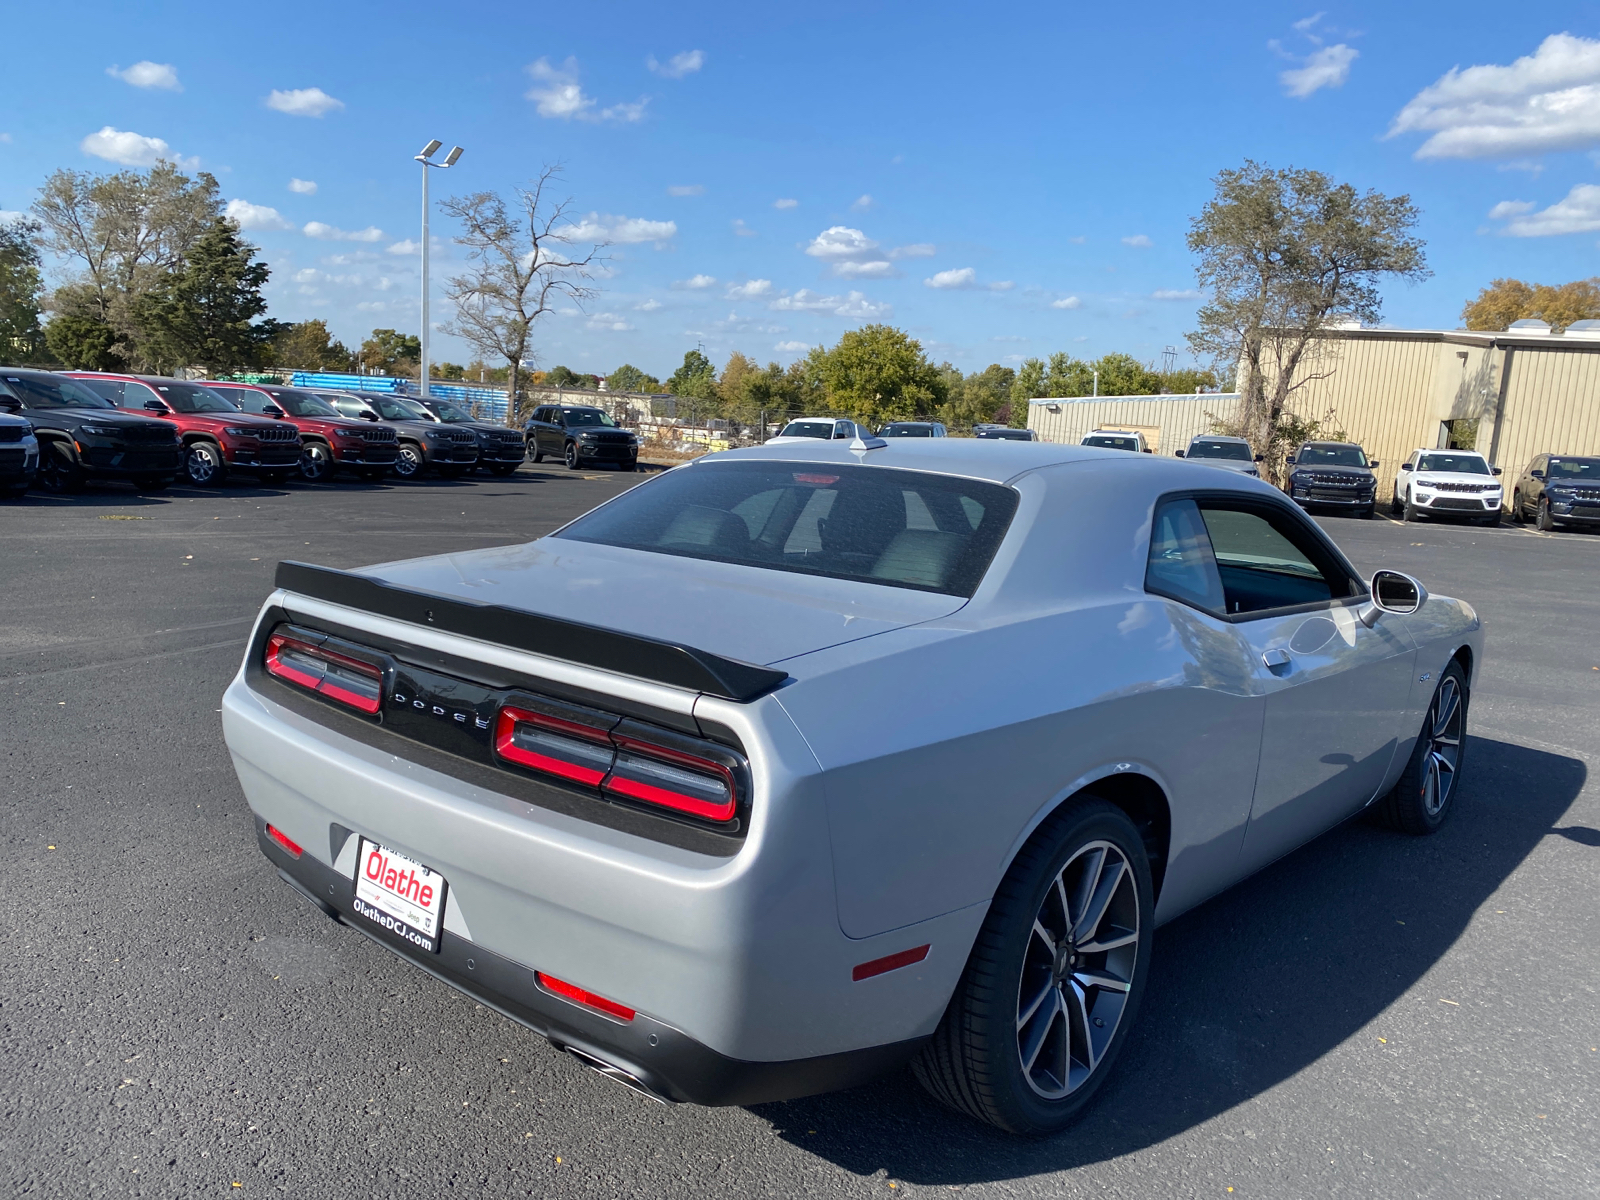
819, 428
1455, 483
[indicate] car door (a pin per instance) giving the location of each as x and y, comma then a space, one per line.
1336, 690
545, 432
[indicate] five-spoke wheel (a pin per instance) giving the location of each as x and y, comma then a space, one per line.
1425, 796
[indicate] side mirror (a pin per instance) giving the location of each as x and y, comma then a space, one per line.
271, 410
1288, 458
1179, 453
1263, 458
1496, 470
1374, 464
1393, 592
155, 406
368, 415
10, 404
1405, 466
1147, 450
1537, 474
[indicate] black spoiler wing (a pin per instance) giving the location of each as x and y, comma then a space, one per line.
592, 646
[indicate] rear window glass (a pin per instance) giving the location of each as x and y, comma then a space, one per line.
909, 529
1236, 451
1112, 443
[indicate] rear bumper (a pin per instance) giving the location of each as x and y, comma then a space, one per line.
664, 1061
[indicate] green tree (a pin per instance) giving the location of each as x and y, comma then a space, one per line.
83, 343
1508, 300
391, 352
21, 285
629, 378
205, 314
1283, 253
696, 379
984, 397
308, 345
564, 377
1029, 383
879, 374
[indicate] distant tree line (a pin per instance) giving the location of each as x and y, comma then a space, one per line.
1508, 300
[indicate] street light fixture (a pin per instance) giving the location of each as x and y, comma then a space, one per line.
424, 158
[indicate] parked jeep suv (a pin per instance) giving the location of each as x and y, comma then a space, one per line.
425, 444
1557, 490
328, 440
1333, 475
1455, 483
1219, 450
500, 450
83, 437
217, 438
580, 434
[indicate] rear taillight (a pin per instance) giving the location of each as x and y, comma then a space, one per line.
554, 746
326, 672
576, 994
672, 779
282, 839
624, 762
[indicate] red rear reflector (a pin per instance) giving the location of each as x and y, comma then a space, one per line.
277, 835
569, 991
541, 742
337, 676
889, 962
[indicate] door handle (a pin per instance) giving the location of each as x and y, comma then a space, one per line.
1276, 658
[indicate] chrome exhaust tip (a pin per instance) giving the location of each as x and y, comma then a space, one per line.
615, 1073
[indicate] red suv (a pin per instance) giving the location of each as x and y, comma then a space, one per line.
217, 438
329, 440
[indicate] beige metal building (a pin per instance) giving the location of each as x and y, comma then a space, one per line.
1508, 395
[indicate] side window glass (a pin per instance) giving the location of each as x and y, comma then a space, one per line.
1263, 565
1181, 564
842, 429
107, 389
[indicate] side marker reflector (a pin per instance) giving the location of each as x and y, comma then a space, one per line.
889, 962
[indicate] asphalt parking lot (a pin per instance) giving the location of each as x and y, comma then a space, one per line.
1373, 1016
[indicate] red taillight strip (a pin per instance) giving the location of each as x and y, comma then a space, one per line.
576, 994
889, 962
278, 836
693, 805
324, 685
505, 744
276, 644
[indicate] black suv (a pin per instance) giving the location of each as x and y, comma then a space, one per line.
83, 437
424, 442
580, 434
500, 450
1334, 475
1556, 490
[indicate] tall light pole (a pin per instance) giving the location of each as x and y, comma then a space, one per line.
425, 158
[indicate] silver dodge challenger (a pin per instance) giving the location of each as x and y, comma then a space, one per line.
802, 762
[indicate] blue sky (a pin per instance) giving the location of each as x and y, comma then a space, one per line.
1002, 181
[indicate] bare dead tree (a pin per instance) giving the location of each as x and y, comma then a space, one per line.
525, 261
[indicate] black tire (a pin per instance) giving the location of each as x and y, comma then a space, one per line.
59, 469
633, 466
411, 463
1415, 804
974, 1062
372, 474
538, 456
1518, 517
153, 483
504, 469
316, 463
1542, 520
1412, 512
1394, 505
574, 463
204, 464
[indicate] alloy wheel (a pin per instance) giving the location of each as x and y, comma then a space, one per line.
200, 464
1077, 970
573, 461
409, 465
315, 462
1444, 746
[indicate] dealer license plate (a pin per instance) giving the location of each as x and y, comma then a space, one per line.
400, 895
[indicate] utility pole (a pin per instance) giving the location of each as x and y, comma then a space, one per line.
428, 152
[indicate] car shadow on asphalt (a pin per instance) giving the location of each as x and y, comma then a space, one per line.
1245, 991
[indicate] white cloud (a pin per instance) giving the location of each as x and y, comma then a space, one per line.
791, 347
743, 230
697, 282
648, 306
627, 231
1549, 100
1304, 24
679, 65
625, 112
331, 233
132, 149
609, 323
1577, 212
1175, 294
8, 215
872, 269
750, 290
1001, 285
687, 189
956, 277
1067, 302
786, 204
1139, 239
255, 216
303, 187
853, 305
1328, 66
915, 250
303, 102
841, 243
555, 91
162, 76
862, 203
406, 247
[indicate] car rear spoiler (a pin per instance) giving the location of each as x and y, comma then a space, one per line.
555, 637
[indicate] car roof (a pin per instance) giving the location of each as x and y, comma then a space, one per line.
945, 456
1223, 437
1441, 450
1324, 442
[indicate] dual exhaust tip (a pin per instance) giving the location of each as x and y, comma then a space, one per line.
613, 1072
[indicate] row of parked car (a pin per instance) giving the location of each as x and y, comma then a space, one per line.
61, 429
